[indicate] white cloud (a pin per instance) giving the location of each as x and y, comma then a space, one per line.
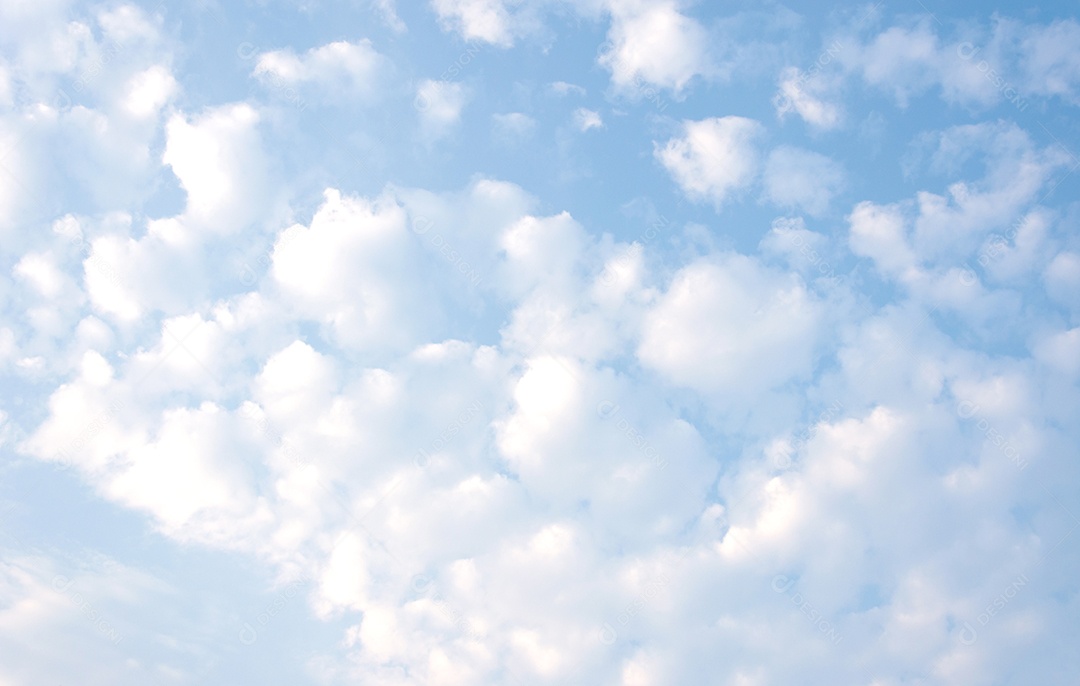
345, 270
335, 68
596, 462
388, 11
15, 164
440, 104
127, 24
585, 119
1009, 61
1050, 60
922, 239
802, 179
904, 61
881, 234
732, 327
540, 252
110, 154
562, 88
6, 88
149, 91
714, 158
219, 159
83, 612
654, 43
67, 74
42, 271
108, 276
485, 20
804, 251
186, 472
502, 536
1060, 351
40, 38
513, 125
1062, 279
799, 91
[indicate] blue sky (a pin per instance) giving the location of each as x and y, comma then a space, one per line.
623, 342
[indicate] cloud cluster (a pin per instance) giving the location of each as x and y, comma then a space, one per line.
976, 67
465, 433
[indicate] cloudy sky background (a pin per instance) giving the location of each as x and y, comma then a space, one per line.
622, 342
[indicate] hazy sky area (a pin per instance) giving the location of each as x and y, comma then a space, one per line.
539, 342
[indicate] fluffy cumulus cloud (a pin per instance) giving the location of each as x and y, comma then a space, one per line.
219, 161
713, 158
89, 85
650, 44
729, 325
149, 91
654, 43
995, 223
523, 377
344, 271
